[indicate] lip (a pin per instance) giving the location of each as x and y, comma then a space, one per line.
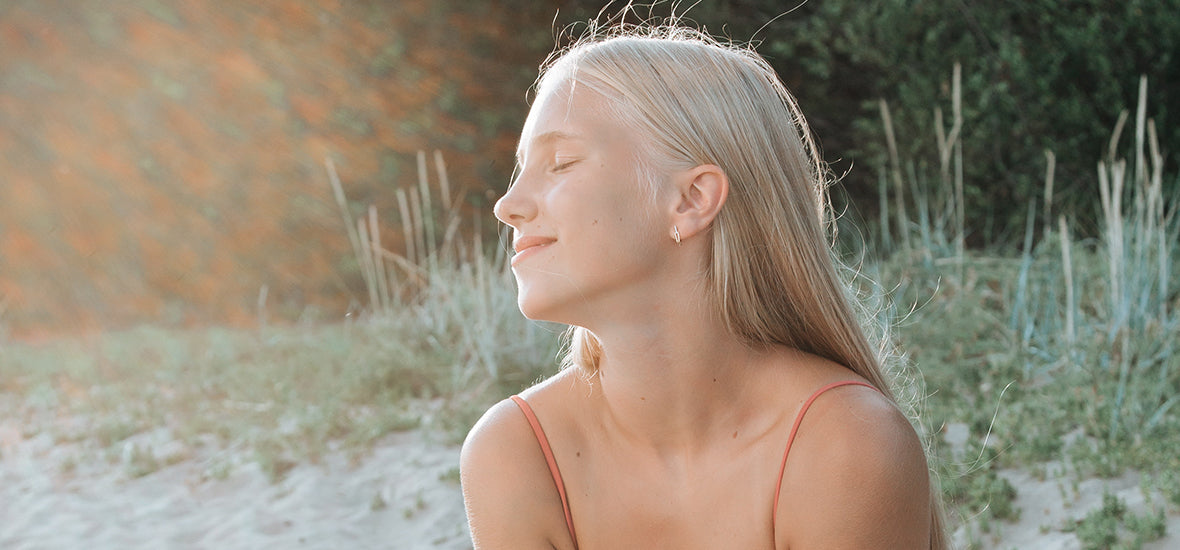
526, 245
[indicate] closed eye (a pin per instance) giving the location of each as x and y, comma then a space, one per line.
562, 166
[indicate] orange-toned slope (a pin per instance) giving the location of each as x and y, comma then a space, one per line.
161, 162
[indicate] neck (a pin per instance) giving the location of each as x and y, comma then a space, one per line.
677, 381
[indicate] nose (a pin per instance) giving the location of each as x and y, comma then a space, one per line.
516, 206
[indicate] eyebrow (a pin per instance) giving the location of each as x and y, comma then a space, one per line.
546, 138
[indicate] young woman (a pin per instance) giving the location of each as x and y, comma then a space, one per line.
670, 207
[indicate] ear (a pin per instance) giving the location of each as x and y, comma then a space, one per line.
701, 192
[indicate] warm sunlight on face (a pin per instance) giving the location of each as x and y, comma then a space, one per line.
586, 231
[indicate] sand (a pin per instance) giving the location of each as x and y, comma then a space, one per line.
1048, 507
403, 495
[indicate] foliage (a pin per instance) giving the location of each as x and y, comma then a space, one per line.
1038, 75
985, 493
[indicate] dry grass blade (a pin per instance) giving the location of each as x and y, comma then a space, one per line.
895, 169
262, 315
417, 274
1112, 146
379, 275
1067, 268
960, 200
444, 183
426, 215
358, 249
367, 264
883, 216
1050, 168
1140, 128
950, 147
450, 245
419, 231
403, 208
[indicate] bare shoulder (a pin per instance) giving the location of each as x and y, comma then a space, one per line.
509, 494
856, 477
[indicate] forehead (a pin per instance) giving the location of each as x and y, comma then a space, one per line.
567, 111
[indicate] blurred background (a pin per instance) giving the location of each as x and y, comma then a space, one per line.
164, 162
189, 292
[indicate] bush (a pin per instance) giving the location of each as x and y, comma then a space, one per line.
1037, 75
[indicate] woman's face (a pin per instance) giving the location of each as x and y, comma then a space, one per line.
587, 233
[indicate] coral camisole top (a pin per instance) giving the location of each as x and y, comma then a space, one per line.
556, 473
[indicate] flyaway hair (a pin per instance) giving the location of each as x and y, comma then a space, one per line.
772, 276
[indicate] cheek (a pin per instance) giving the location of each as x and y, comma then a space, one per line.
623, 239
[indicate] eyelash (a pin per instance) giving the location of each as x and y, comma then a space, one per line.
562, 166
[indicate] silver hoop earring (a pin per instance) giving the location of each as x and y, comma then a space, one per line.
676, 234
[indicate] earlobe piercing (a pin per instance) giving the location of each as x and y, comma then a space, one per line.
675, 234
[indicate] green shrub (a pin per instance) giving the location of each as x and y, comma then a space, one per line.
1037, 75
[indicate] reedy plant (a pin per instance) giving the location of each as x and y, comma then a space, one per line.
1140, 236
1062, 352
460, 293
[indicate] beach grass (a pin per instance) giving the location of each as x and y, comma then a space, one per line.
1058, 356
439, 341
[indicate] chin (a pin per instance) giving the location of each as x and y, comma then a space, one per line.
533, 310
537, 306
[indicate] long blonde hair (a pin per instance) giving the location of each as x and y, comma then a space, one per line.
772, 275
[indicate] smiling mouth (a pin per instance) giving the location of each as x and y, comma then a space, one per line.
526, 244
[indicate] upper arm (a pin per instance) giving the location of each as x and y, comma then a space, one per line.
857, 478
509, 496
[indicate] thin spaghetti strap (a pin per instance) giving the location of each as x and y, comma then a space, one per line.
795, 429
549, 458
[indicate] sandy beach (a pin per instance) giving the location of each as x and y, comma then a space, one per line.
403, 495
1048, 507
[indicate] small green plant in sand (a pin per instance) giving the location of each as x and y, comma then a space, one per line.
418, 505
991, 496
450, 476
1113, 527
141, 461
378, 502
